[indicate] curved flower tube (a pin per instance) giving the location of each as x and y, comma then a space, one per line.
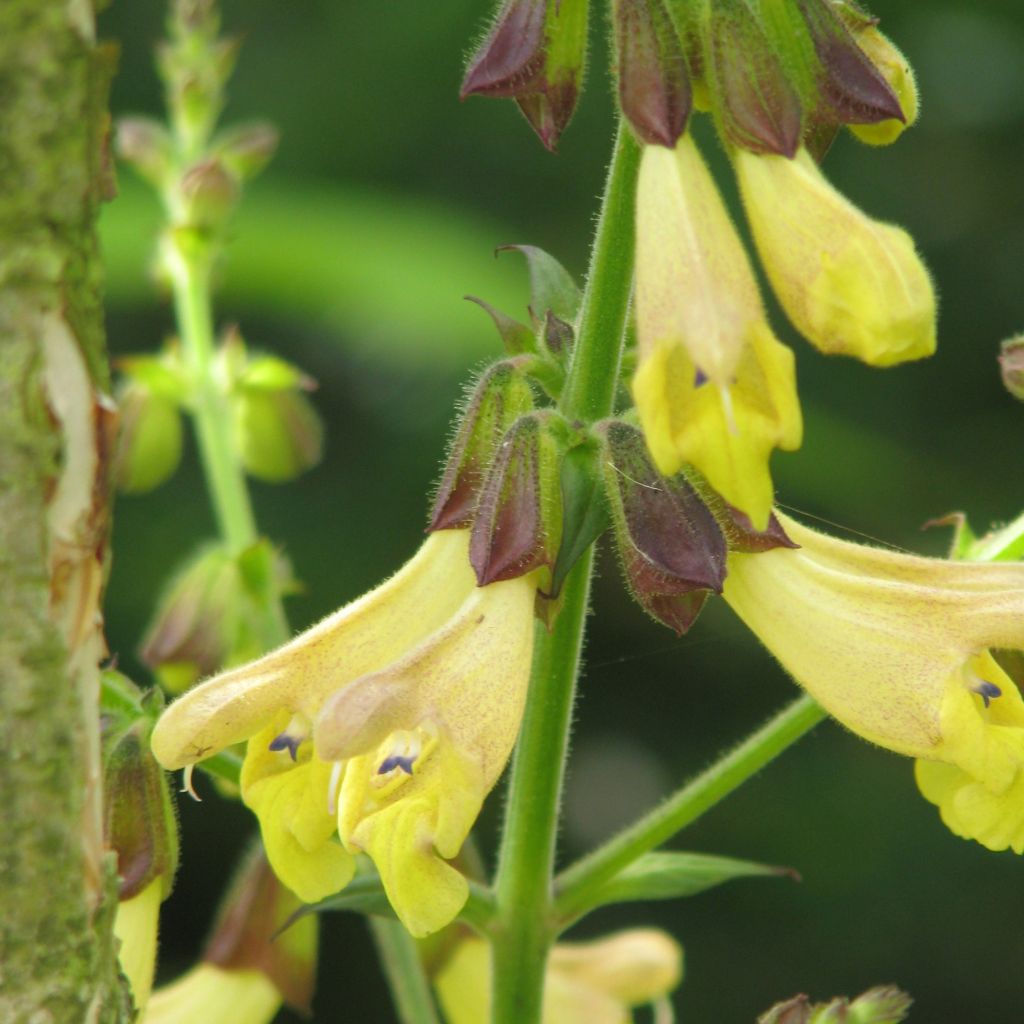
596, 982
897, 648
849, 284
388, 723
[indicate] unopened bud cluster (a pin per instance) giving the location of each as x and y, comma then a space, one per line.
277, 434
774, 72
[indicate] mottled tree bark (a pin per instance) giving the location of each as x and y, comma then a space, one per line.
57, 961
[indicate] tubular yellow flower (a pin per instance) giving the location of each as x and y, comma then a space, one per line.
387, 722
896, 647
850, 284
714, 387
209, 992
586, 983
135, 926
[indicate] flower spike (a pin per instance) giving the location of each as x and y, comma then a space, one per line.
897, 648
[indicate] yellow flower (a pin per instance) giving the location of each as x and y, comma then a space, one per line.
586, 982
714, 387
135, 926
849, 284
897, 648
388, 723
211, 993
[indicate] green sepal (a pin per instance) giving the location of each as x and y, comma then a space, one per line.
500, 397
584, 510
755, 104
517, 338
517, 525
671, 875
139, 820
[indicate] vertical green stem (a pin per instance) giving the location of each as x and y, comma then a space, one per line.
224, 475
523, 928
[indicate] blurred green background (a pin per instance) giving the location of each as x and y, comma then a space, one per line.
351, 256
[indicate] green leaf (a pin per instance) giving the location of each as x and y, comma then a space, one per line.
665, 876
552, 289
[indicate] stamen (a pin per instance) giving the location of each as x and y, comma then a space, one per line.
186, 783
699, 377
727, 408
396, 761
987, 691
332, 787
293, 737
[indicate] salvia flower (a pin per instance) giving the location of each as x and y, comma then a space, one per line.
387, 723
850, 284
714, 387
898, 648
597, 982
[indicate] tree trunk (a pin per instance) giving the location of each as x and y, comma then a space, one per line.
57, 961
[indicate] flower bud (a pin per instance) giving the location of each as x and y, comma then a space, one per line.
150, 438
210, 615
278, 432
671, 549
246, 149
1011, 365
518, 523
758, 109
501, 396
654, 85
850, 285
897, 72
140, 827
534, 54
882, 1005
209, 192
145, 144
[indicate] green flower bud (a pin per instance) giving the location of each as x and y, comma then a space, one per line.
209, 192
1011, 365
500, 397
145, 144
279, 433
247, 148
211, 613
150, 438
518, 523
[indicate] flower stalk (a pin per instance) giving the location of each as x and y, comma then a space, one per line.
523, 928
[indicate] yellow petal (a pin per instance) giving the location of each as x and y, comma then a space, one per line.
362, 637
291, 802
727, 433
136, 929
850, 284
209, 993
694, 285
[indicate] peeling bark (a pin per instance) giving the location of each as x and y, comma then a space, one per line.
57, 957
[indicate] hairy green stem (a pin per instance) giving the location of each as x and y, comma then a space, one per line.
576, 884
522, 930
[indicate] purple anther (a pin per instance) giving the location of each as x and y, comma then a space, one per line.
396, 761
987, 691
286, 741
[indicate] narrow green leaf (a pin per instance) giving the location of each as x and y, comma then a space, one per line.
552, 289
